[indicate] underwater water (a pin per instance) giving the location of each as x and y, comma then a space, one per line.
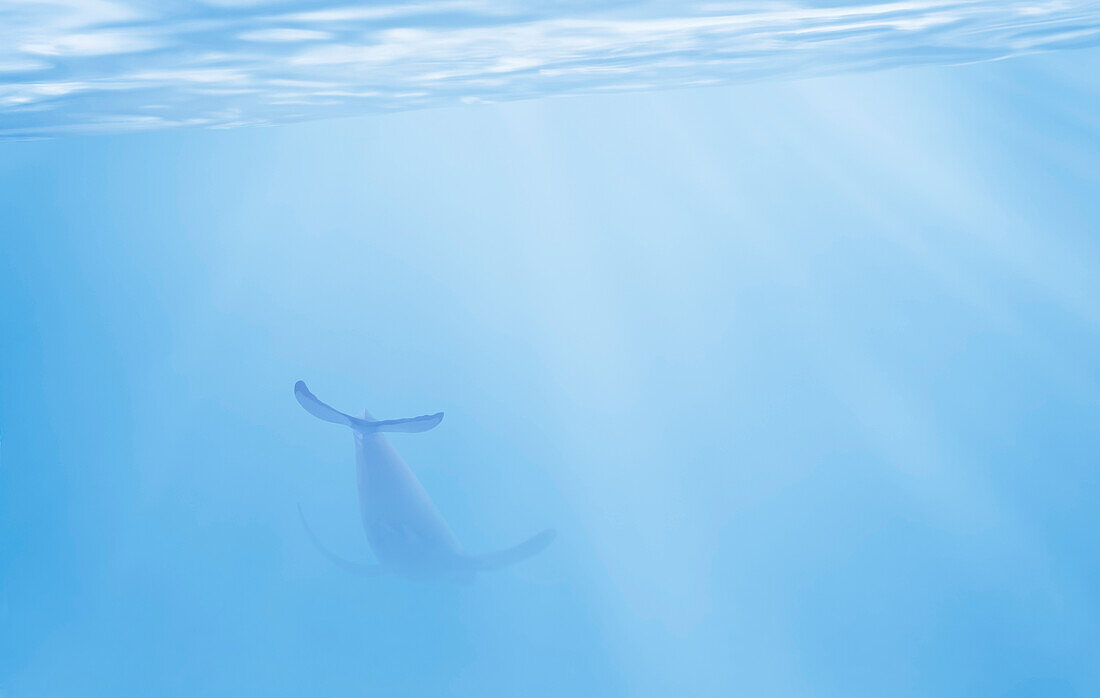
804, 373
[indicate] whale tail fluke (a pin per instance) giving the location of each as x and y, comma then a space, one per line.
510, 556
320, 410
408, 425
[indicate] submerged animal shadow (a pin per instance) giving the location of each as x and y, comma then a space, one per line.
407, 533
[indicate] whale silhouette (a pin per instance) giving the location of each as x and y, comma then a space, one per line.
406, 532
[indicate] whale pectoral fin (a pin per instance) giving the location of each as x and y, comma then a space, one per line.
510, 556
318, 409
348, 565
409, 425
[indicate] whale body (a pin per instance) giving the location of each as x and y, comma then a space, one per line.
406, 532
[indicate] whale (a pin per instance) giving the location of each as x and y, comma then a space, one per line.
407, 534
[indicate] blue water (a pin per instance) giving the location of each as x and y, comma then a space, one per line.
804, 373
109, 66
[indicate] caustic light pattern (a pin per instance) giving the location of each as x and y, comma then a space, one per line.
99, 66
